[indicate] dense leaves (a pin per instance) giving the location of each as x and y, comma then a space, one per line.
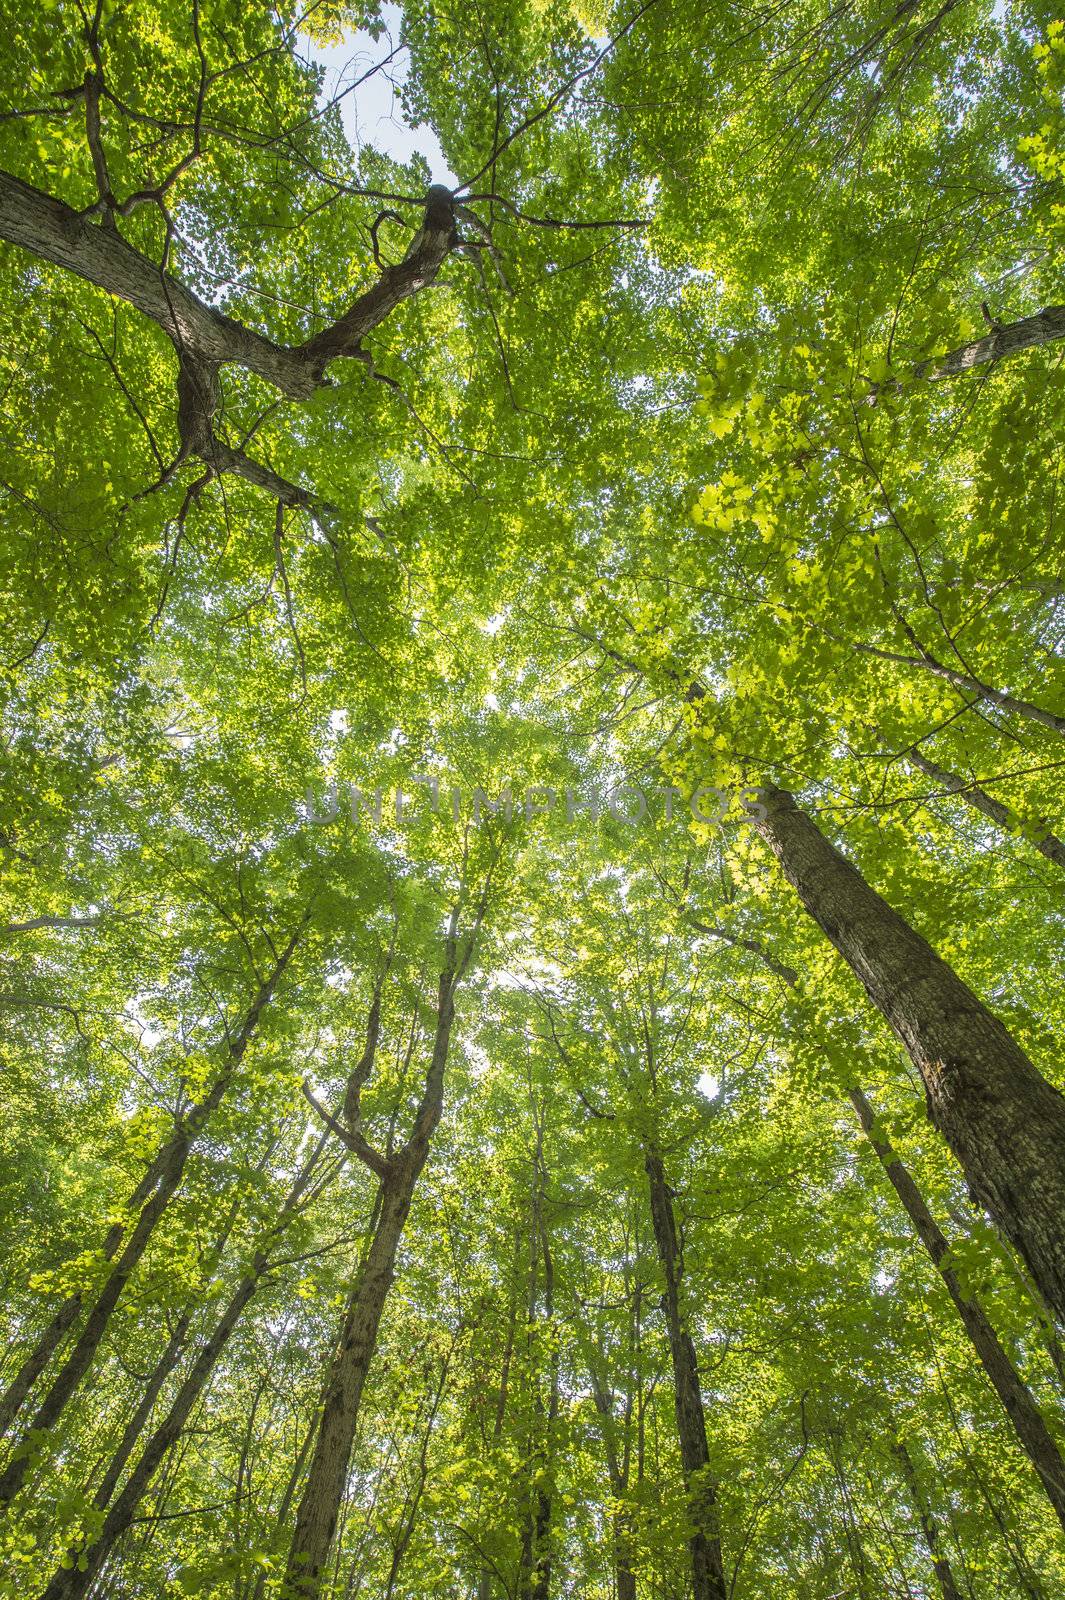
461, 1135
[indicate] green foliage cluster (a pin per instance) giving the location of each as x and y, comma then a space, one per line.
723, 448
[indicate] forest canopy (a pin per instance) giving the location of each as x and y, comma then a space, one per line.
531, 840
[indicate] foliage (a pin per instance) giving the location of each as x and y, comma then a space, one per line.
721, 446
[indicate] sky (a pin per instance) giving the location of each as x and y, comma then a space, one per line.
373, 114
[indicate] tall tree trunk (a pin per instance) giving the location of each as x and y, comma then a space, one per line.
484, 1578
852, 1532
323, 1492
51, 1338
139, 1419
66, 1584
1017, 1400
1003, 1121
1048, 845
166, 1173
940, 1562
18, 1390
535, 1577
618, 1473
704, 1544
166, 1363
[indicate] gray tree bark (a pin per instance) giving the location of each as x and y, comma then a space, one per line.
203, 337
323, 1492
1048, 845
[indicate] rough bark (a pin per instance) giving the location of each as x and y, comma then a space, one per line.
160, 1184
51, 229
1048, 845
1004, 339
1017, 1400
704, 1544
1001, 1118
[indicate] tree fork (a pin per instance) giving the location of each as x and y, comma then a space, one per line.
206, 339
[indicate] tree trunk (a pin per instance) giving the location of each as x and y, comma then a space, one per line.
940, 1563
138, 1421
535, 1579
926, 662
66, 1584
704, 1544
52, 1337
323, 1492
1017, 1400
1003, 1121
17, 1392
165, 1173
1048, 845
618, 1473
624, 1577
203, 337
1004, 339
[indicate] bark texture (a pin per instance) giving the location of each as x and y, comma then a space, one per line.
323, 1492
1004, 339
1002, 1119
